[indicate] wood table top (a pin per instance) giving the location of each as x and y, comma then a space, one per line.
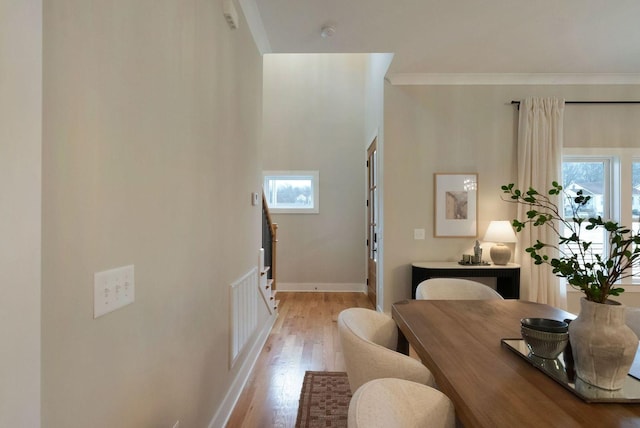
491, 386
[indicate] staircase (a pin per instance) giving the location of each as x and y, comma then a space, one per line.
267, 272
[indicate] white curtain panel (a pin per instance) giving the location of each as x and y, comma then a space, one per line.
539, 164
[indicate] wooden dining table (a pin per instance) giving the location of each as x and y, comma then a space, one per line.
489, 384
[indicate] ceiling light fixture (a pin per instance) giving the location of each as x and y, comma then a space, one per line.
327, 31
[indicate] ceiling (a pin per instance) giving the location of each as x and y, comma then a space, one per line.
454, 37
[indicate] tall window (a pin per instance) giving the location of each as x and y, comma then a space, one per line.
591, 177
635, 206
612, 178
292, 192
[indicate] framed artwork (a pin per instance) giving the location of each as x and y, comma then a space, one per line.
455, 205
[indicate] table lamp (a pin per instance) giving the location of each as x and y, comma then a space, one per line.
500, 232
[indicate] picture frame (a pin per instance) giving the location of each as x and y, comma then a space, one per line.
455, 205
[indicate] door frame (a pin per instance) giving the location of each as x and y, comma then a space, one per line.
372, 222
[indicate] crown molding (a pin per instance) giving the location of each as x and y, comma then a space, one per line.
513, 78
256, 26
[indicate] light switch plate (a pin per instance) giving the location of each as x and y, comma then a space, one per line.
113, 289
418, 234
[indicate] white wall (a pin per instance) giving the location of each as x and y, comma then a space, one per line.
463, 129
152, 119
314, 119
20, 209
375, 70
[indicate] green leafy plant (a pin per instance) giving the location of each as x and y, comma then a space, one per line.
577, 261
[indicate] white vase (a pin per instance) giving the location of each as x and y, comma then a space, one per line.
603, 346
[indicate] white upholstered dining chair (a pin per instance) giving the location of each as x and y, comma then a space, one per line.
369, 340
455, 289
399, 403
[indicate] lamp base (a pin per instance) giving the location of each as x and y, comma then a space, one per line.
500, 254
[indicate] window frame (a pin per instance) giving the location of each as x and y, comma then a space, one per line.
611, 201
312, 175
618, 187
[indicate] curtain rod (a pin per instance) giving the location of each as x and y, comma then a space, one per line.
589, 102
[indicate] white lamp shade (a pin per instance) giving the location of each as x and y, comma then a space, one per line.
500, 232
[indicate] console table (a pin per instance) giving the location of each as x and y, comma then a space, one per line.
507, 276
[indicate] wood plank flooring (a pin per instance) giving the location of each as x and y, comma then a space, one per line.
304, 337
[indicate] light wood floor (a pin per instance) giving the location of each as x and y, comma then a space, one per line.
304, 337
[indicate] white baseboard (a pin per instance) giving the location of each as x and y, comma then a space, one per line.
322, 287
223, 413
233, 393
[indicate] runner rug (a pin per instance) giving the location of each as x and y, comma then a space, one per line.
324, 400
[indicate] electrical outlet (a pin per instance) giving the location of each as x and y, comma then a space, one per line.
113, 289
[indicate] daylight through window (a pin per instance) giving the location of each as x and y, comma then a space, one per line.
590, 178
612, 179
292, 192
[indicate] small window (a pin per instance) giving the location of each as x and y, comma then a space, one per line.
292, 192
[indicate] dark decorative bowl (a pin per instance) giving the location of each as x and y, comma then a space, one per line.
545, 337
544, 344
545, 325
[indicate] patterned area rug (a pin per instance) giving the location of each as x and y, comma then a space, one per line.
324, 400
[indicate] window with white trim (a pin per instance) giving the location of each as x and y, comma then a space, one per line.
591, 176
635, 206
612, 178
292, 192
